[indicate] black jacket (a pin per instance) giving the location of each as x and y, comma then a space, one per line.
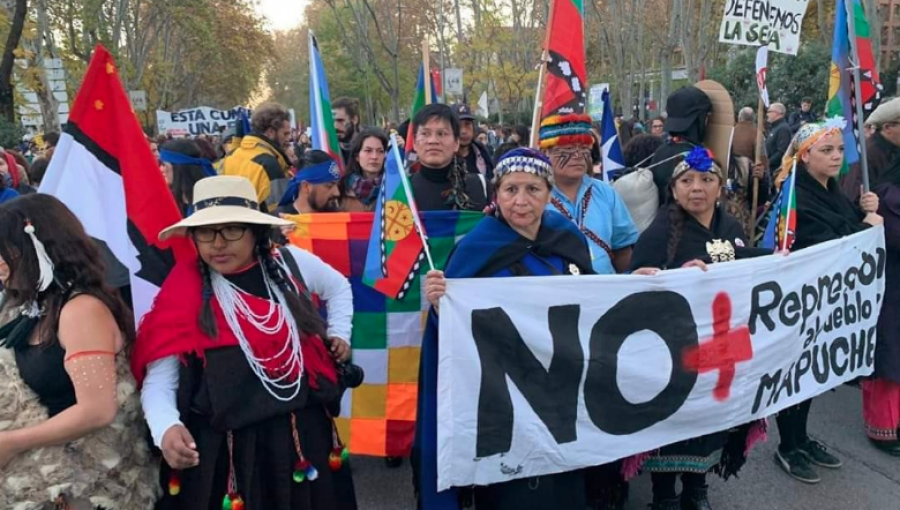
471, 162
777, 143
797, 118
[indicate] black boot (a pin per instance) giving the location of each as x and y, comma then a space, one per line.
889, 447
695, 498
393, 462
668, 504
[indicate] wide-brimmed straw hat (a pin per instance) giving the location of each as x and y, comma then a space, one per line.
223, 199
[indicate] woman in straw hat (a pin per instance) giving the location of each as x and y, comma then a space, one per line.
238, 368
816, 156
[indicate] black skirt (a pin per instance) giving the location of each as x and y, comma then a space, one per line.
264, 460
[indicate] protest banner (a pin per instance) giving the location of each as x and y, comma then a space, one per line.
196, 121
773, 23
578, 371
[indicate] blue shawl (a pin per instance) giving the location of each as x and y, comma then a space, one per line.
491, 249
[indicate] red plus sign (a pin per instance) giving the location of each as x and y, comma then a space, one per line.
727, 347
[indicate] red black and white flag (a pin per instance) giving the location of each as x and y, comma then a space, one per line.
104, 171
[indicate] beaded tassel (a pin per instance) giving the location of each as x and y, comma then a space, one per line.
232, 499
339, 453
303, 469
174, 483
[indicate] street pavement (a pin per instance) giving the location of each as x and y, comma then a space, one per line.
869, 479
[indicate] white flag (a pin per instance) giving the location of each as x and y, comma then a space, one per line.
483, 105
762, 59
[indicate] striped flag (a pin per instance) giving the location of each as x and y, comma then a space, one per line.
104, 172
396, 248
841, 89
324, 137
611, 149
425, 95
782, 228
567, 67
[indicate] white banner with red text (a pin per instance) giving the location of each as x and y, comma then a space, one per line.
541, 375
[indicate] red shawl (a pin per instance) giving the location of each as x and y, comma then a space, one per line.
172, 328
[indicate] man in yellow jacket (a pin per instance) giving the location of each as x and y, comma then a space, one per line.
260, 157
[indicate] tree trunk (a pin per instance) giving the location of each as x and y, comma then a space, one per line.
7, 97
665, 77
46, 99
822, 22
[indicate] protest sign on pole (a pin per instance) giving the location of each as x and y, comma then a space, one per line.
453, 80
595, 100
773, 23
196, 121
578, 371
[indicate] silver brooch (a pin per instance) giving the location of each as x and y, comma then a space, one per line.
720, 250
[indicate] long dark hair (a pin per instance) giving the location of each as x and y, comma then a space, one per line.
301, 308
78, 265
184, 176
353, 166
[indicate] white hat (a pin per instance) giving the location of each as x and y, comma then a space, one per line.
223, 199
886, 112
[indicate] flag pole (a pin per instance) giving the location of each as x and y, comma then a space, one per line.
542, 82
758, 159
426, 74
412, 200
854, 48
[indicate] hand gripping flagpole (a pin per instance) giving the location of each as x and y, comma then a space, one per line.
412, 200
854, 48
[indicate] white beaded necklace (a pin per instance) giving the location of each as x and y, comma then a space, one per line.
235, 307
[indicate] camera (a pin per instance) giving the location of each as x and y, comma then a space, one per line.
350, 375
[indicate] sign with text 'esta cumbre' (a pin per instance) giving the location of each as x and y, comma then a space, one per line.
772, 23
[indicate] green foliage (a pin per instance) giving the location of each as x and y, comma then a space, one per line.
790, 78
10, 133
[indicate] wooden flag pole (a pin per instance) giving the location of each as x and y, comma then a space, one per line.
758, 160
426, 72
542, 82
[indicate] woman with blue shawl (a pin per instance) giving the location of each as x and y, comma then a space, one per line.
519, 239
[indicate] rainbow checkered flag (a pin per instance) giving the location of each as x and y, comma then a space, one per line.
379, 417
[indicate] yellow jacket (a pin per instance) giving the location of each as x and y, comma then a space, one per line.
262, 163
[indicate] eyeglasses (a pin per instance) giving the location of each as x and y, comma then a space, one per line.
230, 233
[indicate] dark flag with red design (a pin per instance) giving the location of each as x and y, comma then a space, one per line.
566, 70
104, 171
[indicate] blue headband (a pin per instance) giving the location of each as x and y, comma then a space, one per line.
323, 173
177, 158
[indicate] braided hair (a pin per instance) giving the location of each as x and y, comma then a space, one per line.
676, 229
456, 195
300, 306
